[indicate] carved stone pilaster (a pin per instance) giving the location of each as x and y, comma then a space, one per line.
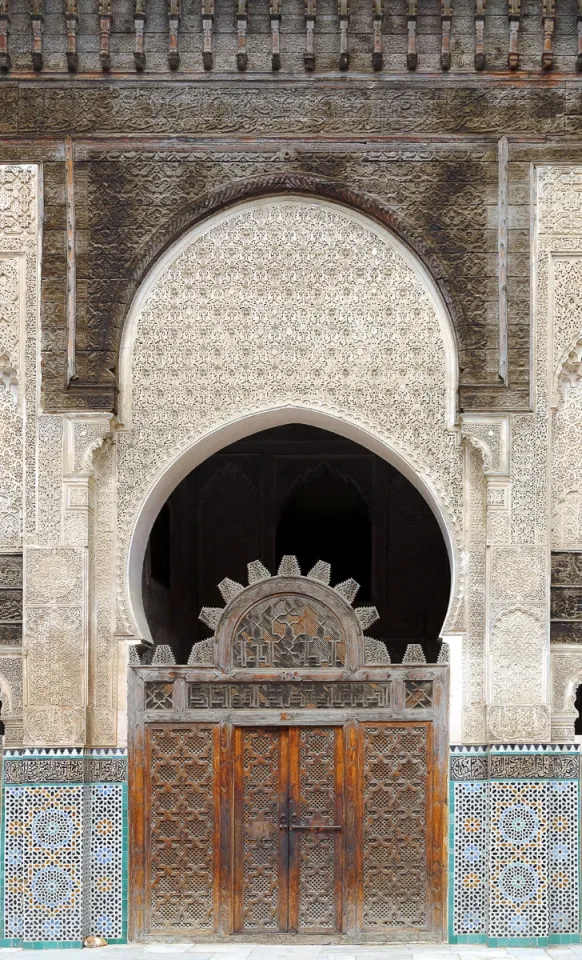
207, 31
174, 15
377, 18
514, 15
139, 21
344, 21
310, 15
480, 34
446, 20
72, 19
241, 34
37, 23
105, 21
412, 52
548, 22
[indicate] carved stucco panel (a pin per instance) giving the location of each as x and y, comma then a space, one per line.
11, 684
208, 351
519, 724
519, 573
54, 575
473, 647
518, 641
54, 653
566, 677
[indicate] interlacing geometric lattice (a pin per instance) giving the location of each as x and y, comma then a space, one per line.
317, 854
395, 802
106, 860
471, 858
563, 856
260, 848
182, 826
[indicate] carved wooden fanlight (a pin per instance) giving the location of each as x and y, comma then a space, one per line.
288, 621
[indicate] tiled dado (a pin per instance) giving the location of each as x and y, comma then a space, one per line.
514, 876
64, 847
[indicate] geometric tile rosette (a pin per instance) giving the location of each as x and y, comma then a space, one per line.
106, 860
43, 862
563, 856
518, 858
471, 893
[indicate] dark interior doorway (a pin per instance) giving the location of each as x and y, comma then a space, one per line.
304, 491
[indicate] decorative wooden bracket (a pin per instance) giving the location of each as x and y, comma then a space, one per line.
579, 57
412, 53
344, 19
207, 29
37, 22
241, 30
139, 20
480, 34
377, 17
310, 14
174, 13
72, 18
548, 21
4, 31
275, 14
514, 14
105, 18
446, 18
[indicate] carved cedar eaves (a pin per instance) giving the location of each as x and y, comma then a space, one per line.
139, 20
344, 20
446, 19
241, 34
549, 22
310, 14
174, 14
480, 34
275, 15
105, 20
514, 14
4, 32
72, 19
37, 23
378, 16
207, 31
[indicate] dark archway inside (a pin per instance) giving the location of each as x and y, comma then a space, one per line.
298, 490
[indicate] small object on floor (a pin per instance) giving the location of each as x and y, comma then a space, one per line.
94, 942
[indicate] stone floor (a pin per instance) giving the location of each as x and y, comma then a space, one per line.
234, 951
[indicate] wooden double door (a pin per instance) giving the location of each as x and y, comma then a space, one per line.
289, 833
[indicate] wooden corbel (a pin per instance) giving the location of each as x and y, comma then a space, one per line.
139, 21
37, 23
344, 19
105, 18
446, 19
411, 53
514, 14
479, 34
310, 14
72, 18
377, 18
207, 30
548, 21
241, 32
4, 33
579, 57
275, 14
174, 13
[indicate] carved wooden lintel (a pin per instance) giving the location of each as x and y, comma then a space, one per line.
579, 57
105, 18
4, 31
411, 52
275, 14
37, 23
241, 32
378, 14
207, 30
514, 14
480, 34
446, 18
72, 18
548, 21
344, 19
310, 14
174, 13
139, 20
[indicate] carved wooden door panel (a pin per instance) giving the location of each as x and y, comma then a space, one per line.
288, 843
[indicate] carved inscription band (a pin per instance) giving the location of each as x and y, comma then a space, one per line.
532, 767
300, 696
66, 770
